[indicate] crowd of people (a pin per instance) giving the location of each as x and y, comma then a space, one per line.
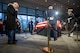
12, 25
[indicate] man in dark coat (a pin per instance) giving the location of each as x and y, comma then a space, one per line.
11, 24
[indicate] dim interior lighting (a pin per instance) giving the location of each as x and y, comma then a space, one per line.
56, 13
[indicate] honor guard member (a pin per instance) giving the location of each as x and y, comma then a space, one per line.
50, 15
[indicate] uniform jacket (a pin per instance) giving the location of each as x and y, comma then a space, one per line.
51, 13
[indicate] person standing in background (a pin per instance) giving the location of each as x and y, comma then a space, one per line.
31, 26
36, 21
12, 10
35, 29
70, 21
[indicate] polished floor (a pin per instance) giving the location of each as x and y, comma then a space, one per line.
35, 43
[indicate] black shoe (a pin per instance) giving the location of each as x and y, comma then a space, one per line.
55, 39
69, 35
15, 40
10, 43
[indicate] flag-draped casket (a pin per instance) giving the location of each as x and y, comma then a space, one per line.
42, 27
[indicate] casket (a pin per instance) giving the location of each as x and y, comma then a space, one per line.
42, 27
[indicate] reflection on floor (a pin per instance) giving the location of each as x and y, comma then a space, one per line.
35, 43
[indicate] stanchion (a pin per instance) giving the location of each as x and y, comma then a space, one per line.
77, 33
48, 49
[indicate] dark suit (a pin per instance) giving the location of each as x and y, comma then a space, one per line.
11, 24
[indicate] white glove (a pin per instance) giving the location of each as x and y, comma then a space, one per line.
64, 23
69, 20
75, 24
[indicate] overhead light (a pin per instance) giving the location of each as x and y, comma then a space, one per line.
56, 13
78, 6
73, 3
61, 6
66, 8
37, 7
68, 1
46, 0
54, 3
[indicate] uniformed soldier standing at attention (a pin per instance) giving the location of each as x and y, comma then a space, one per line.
50, 15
